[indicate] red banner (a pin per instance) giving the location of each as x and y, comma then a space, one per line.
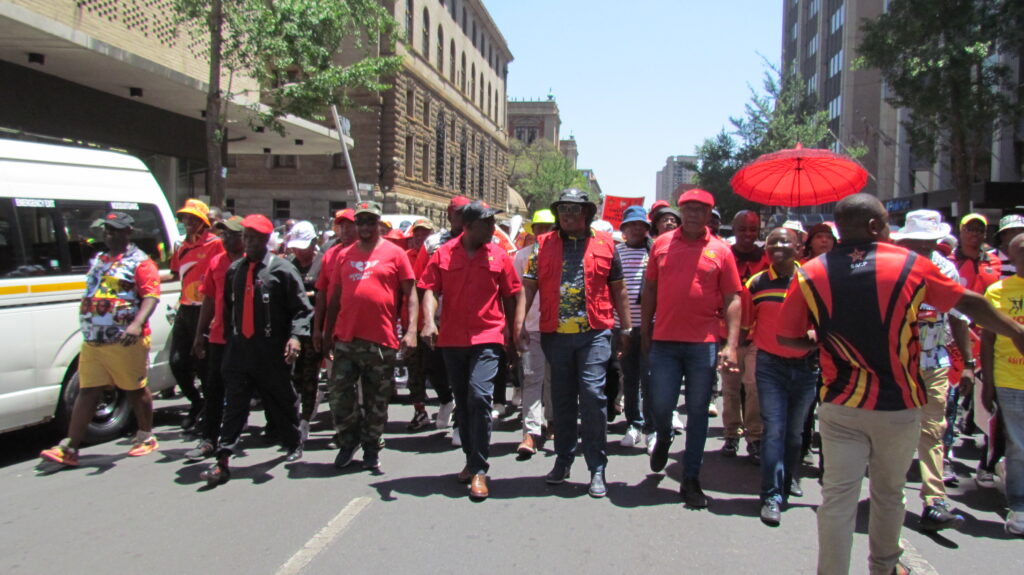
614, 206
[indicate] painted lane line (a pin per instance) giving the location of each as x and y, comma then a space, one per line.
324, 537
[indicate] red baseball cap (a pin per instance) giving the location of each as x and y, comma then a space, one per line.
657, 206
697, 195
258, 223
458, 202
346, 214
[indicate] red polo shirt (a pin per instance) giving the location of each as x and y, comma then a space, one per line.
370, 289
325, 280
190, 261
693, 278
472, 289
213, 286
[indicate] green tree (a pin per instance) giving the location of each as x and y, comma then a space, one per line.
717, 162
290, 48
539, 172
940, 60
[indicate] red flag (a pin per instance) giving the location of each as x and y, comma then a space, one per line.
614, 206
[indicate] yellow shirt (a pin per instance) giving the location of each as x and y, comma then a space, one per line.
1007, 295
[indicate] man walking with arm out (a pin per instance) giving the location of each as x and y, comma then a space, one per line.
483, 311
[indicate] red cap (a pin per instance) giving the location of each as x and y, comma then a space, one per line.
697, 195
346, 214
458, 202
656, 206
258, 223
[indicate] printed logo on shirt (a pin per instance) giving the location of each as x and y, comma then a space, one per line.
857, 259
1016, 304
364, 268
710, 254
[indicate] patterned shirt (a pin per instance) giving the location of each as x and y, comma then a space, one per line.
114, 290
634, 266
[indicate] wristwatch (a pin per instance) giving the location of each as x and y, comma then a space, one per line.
970, 363
628, 331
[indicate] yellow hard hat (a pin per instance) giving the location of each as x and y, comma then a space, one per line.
544, 216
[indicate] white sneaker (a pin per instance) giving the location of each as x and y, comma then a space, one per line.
984, 478
456, 437
1015, 523
497, 411
677, 424
444, 415
632, 438
713, 409
517, 397
650, 439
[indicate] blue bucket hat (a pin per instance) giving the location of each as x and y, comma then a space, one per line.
634, 214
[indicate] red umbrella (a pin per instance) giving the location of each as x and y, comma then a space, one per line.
799, 177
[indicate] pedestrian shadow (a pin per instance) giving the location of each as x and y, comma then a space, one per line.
434, 443
258, 474
502, 488
983, 499
646, 493
313, 470
973, 527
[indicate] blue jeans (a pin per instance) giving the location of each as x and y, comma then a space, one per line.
635, 383
578, 367
669, 361
786, 389
1011, 410
471, 373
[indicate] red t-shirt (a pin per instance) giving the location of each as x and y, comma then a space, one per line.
862, 301
977, 275
190, 261
693, 277
370, 289
325, 280
767, 291
213, 286
472, 313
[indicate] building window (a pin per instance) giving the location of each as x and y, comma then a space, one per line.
440, 144
488, 99
812, 84
812, 8
812, 46
835, 64
338, 161
229, 204
426, 109
451, 67
465, 18
426, 34
462, 74
463, 156
410, 103
835, 107
282, 209
285, 161
440, 49
335, 207
481, 100
472, 82
837, 20
410, 156
793, 30
408, 23
425, 161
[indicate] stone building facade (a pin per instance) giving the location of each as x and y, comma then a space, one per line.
438, 132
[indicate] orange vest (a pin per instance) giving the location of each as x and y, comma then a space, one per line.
597, 264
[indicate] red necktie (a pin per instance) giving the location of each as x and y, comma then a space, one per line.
248, 323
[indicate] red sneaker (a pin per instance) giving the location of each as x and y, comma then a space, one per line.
61, 454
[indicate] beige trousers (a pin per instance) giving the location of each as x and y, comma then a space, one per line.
933, 427
742, 416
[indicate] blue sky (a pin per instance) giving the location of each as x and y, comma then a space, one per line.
639, 81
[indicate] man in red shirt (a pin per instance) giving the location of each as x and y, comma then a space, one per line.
691, 276
121, 291
978, 268
345, 222
189, 264
371, 277
741, 412
786, 378
483, 310
862, 300
210, 339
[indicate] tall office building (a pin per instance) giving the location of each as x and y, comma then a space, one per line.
677, 172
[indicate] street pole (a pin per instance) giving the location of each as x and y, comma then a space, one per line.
342, 124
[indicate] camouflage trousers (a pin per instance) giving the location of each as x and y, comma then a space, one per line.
362, 380
306, 378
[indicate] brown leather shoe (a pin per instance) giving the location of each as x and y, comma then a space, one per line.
528, 447
478, 488
465, 475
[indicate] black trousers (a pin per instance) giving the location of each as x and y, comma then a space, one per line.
437, 373
184, 366
472, 372
213, 392
256, 366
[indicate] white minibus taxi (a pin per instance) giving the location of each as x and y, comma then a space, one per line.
50, 198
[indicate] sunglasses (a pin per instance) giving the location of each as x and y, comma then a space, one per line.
366, 221
570, 209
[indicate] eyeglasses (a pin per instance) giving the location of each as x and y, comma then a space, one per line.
366, 221
570, 209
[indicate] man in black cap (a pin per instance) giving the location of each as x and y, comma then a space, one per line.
578, 274
121, 291
266, 311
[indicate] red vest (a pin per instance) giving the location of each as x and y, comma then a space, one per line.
597, 264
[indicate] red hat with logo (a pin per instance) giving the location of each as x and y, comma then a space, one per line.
345, 215
697, 195
258, 223
458, 202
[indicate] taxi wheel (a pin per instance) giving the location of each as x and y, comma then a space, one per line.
112, 417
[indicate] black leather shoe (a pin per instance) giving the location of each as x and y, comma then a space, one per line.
345, 456
771, 515
794, 489
693, 495
217, 474
659, 458
293, 455
597, 487
371, 459
558, 474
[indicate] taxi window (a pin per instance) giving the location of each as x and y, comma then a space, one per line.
84, 230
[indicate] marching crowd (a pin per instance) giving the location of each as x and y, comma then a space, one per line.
873, 338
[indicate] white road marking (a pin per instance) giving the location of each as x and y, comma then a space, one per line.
323, 538
912, 558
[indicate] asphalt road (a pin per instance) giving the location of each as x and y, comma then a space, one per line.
154, 515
